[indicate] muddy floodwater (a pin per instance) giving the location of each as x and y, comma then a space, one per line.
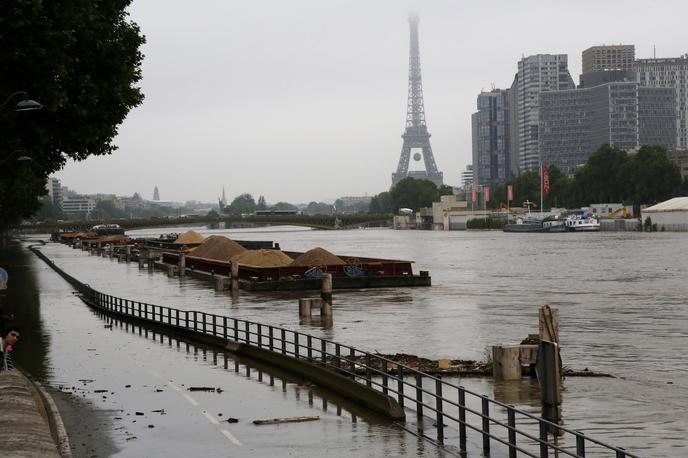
623, 301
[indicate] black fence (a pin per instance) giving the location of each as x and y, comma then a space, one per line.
447, 413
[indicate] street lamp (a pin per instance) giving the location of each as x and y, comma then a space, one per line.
24, 104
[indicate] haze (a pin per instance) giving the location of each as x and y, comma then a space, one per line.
306, 100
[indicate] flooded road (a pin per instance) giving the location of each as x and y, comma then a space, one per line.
622, 300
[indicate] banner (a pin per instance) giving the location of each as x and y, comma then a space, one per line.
474, 195
510, 193
487, 195
545, 181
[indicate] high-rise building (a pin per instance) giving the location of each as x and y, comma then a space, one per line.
467, 177
55, 192
537, 74
156, 193
608, 57
671, 73
576, 122
491, 152
513, 128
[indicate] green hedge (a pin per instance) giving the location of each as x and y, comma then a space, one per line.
486, 223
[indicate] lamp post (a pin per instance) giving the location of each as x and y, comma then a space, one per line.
24, 103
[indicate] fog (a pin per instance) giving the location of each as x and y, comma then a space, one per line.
306, 100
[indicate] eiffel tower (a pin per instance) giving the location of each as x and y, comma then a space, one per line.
416, 134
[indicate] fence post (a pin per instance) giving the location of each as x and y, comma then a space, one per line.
309, 339
620, 453
247, 328
323, 353
214, 324
400, 386
486, 422
352, 363
271, 337
186, 316
224, 327
337, 357
384, 376
369, 373
283, 334
419, 394
438, 408
462, 418
195, 320
580, 444
236, 329
544, 446
511, 422
259, 331
296, 345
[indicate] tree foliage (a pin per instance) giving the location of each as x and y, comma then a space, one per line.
413, 194
242, 204
81, 61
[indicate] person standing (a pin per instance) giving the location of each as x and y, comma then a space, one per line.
10, 336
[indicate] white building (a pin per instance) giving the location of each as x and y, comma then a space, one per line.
78, 207
670, 215
536, 74
669, 72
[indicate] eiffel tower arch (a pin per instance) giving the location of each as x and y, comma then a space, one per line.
416, 135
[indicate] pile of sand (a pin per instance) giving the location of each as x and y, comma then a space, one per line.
217, 247
318, 257
113, 238
189, 237
263, 258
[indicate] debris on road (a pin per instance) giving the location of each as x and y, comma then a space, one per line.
275, 421
205, 388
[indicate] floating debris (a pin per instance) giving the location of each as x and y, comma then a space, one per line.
275, 421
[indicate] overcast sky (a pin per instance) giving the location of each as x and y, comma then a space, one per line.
305, 100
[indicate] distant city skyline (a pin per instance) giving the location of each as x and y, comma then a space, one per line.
302, 99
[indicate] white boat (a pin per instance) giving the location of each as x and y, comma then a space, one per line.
554, 224
582, 223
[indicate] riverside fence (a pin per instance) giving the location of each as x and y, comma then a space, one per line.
444, 412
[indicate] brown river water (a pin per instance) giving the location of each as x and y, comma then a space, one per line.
623, 300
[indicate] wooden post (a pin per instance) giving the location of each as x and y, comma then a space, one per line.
128, 253
326, 293
170, 270
234, 275
305, 308
142, 261
182, 264
219, 282
548, 319
506, 362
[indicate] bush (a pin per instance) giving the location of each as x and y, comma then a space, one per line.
486, 223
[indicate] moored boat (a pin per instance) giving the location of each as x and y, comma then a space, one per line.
582, 223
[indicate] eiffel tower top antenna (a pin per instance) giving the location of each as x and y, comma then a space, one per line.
416, 133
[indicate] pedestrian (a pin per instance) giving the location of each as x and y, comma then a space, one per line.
10, 336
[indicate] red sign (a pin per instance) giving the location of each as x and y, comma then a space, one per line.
510, 192
545, 181
487, 195
474, 195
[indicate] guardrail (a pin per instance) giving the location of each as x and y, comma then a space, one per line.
455, 410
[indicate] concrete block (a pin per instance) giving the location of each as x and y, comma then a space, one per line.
506, 362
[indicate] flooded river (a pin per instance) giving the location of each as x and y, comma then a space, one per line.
623, 300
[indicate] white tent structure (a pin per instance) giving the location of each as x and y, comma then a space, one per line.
670, 215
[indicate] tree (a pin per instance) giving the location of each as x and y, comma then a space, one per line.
105, 209
413, 194
381, 204
526, 187
261, 203
603, 178
318, 208
445, 190
283, 206
81, 61
652, 176
242, 204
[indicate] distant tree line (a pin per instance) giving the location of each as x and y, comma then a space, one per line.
408, 193
609, 175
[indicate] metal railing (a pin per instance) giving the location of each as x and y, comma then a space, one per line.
459, 414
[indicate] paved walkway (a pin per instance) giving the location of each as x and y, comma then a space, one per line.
24, 430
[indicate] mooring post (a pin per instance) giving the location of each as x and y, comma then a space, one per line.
326, 293
182, 264
234, 275
170, 270
219, 282
549, 376
128, 253
506, 362
142, 261
305, 308
151, 260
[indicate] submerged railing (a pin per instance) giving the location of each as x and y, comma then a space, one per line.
459, 414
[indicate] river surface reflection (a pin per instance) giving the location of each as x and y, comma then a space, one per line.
621, 296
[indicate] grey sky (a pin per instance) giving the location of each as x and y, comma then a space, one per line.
305, 99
